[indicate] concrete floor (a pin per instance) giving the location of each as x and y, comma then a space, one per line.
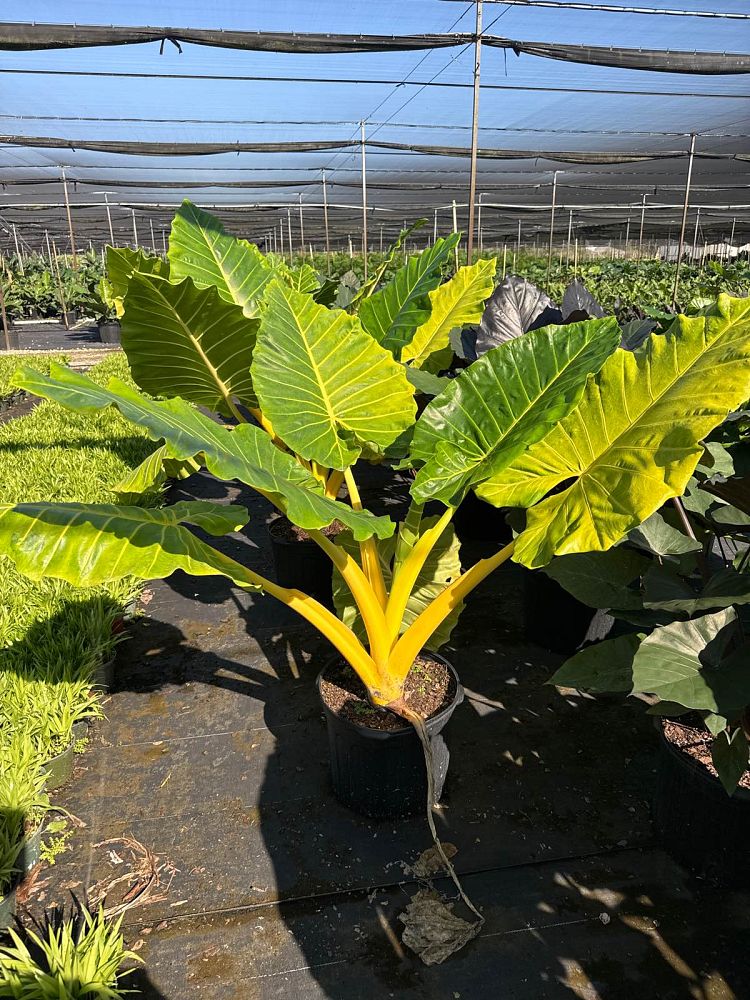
214, 757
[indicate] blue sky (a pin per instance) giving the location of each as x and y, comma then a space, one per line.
530, 116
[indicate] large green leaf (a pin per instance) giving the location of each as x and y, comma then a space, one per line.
665, 591
245, 453
683, 662
186, 341
603, 666
601, 579
453, 304
504, 402
442, 566
200, 248
122, 264
89, 544
657, 535
392, 314
634, 439
328, 389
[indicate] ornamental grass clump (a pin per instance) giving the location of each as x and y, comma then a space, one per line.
587, 438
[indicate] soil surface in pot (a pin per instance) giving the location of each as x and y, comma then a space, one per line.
429, 689
283, 529
696, 743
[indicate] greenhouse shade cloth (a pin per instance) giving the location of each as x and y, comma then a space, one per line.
19, 36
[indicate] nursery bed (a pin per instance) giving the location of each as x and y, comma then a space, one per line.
214, 757
54, 336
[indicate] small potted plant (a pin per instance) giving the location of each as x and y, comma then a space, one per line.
23, 805
100, 303
77, 957
302, 393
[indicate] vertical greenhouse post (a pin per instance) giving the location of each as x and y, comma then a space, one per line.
364, 197
18, 249
135, 229
325, 225
70, 221
551, 227
681, 244
301, 229
640, 231
6, 330
289, 233
474, 132
455, 230
60, 292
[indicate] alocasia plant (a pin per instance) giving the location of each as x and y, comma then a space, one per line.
590, 438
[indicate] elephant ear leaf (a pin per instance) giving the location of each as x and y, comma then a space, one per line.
329, 390
516, 306
186, 341
729, 754
454, 304
200, 248
123, 263
392, 314
90, 544
503, 402
634, 439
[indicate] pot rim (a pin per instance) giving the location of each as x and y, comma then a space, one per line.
740, 794
68, 748
406, 730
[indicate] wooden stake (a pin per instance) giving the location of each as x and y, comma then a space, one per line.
60, 289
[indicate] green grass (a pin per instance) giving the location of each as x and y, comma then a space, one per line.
54, 635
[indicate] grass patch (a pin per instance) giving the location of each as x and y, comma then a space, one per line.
53, 635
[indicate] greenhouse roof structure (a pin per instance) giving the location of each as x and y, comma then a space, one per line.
259, 116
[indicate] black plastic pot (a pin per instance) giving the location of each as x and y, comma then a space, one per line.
556, 620
302, 565
109, 333
7, 908
477, 520
70, 318
60, 767
705, 829
382, 774
104, 675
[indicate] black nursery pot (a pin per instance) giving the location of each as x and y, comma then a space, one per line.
556, 620
109, 333
698, 823
382, 774
477, 520
301, 564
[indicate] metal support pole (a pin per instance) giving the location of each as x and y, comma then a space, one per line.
164, 242
551, 227
480, 240
518, 241
281, 237
505, 252
474, 132
627, 236
351, 249
49, 248
70, 222
364, 197
731, 238
695, 233
434, 229
570, 233
135, 230
109, 220
455, 230
681, 244
325, 224
301, 228
289, 231
640, 231
381, 239
575, 259
153, 238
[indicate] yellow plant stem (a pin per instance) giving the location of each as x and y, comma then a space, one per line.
364, 596
419, 632
406, 576
337, 633
333, 484
264, 422
369, 548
